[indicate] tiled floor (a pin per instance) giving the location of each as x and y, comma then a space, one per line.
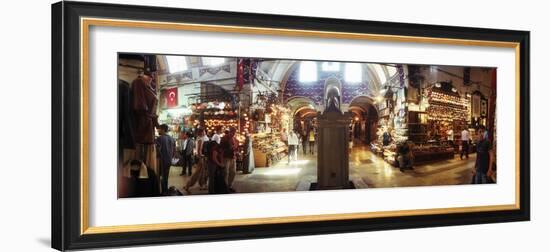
366, 170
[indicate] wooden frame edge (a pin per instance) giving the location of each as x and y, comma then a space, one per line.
86, 22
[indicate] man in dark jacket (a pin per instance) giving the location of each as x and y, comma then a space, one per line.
188, 154
483, 149
166, 147
229, 145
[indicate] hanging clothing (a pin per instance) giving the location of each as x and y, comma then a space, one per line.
144, 106
147, 153
125, 117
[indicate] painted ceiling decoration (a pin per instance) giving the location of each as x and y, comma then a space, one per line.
178, 77
214, 70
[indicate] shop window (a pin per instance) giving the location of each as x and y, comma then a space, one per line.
308, 71
330, 66
176, 63
353, 72
212, 61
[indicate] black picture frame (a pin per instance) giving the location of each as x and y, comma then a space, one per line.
66, 143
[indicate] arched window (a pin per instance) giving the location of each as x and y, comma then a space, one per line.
353, 72
176, 63
308, 71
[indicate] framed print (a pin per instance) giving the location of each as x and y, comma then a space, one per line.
179, 125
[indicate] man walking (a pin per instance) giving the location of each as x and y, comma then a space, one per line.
182, 142
188, 154
166, 146
229, 147
483, 148
465, 137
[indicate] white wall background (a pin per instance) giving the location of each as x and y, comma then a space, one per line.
25, 128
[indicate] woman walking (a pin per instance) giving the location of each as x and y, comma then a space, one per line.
201, 173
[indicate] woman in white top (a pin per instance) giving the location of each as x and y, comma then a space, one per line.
292, 144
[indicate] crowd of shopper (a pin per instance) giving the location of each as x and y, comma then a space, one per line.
296, 140
213, 155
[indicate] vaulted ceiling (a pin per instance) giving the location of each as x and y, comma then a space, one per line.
273, 74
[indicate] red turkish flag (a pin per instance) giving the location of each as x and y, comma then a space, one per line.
171, 96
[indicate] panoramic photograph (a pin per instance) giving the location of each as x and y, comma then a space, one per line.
196, 125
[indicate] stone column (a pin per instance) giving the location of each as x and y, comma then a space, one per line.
333, 150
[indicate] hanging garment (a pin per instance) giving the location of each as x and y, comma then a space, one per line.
144, 108
148, 154
128, 155
125, 117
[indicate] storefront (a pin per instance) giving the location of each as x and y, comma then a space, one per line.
269, 126
436, 114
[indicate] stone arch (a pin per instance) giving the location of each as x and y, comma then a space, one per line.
301, 108
365, 118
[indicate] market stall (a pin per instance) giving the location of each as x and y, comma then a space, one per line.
268, 149
434, 121
271, 125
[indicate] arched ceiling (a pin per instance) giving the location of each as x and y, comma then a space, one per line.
363, 104
306, 113
272, 74
277, 71
298, 103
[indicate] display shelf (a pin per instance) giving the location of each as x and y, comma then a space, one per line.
268, 149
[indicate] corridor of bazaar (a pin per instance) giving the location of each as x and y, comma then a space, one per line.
283, 125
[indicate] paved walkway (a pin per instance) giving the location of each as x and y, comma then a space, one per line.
366, 171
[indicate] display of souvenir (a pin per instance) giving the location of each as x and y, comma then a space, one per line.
268, 149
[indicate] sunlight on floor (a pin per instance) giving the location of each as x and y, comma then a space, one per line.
388, 170
282, 171
299, 162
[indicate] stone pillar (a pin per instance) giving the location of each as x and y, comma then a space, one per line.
333, 150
